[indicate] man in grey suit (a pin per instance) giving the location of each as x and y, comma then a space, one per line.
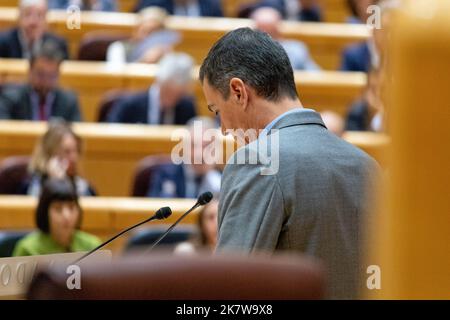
305, 193
41, 98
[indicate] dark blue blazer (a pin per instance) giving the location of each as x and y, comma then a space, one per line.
358, 117
310, 15
356, 58
164, 173
15, 104
10, 44
134, 109
208, 8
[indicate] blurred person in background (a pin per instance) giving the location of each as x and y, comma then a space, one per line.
41, 99
57, 155
85, 5
189, 180
149, 42
30, 33
366, 114
167, 101
58, 219
359, 11
333, 121
367, 55
191, 8
294, 10
268, 19
205, 239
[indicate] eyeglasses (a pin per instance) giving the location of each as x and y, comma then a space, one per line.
212, 108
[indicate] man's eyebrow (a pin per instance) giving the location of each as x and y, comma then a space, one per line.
210, 106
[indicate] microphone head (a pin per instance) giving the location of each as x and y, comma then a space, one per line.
204, 198
163, 213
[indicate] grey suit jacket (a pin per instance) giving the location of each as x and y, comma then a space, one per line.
313, 204
15, 104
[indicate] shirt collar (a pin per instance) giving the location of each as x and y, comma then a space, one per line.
269, 127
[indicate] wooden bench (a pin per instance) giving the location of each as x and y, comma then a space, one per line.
325, 90
112, 151
325, 40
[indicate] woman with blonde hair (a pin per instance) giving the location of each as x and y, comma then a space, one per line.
57, 155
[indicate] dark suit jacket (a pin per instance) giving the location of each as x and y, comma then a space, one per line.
15, 104
356, 58
358, 117
135, 108
208, 8
311, 15
10, 44
164, 173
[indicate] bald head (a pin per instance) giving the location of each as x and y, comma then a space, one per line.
268, 20
31, 3
32, 19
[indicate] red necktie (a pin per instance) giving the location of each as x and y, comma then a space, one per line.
42, 115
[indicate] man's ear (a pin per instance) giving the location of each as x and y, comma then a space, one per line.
238, 92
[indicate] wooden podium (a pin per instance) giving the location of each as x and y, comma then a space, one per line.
162, 276
17, 273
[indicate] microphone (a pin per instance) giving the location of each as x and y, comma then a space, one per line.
161, 214
203, 199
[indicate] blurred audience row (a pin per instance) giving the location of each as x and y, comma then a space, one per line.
150, 40
59, 216
58, 154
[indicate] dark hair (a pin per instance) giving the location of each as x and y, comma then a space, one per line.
351, 4
200, 238
50, 50
54, 190
255, 58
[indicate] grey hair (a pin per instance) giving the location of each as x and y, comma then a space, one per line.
28, 3
175, 67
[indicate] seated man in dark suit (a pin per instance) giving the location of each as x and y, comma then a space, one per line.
195, 174
357, 57
365, 55
166, 101
41, 99
366, 114
30, 33
295, 10
192, 8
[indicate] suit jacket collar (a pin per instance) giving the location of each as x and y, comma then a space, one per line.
307, 116
27, 90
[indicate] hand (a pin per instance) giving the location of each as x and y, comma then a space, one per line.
57, 168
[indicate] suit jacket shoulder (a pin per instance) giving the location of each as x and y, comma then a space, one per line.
210, 8
185, 110
10, 45
66, 105
356, 58
131, 109
17, 104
